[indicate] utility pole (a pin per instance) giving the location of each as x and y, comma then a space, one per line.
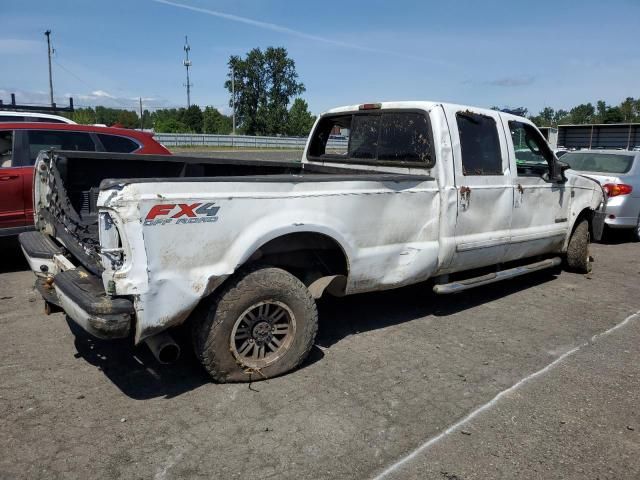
187, 64
141, 118
233, 98
48, 35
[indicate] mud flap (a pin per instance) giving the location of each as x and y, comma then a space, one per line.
597, 224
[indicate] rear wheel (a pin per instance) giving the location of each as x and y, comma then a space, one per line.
262, 324
578, 252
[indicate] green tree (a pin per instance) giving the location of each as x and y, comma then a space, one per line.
300, 120
627, 109
170, 125
216, 122
192, 118
168, 120
85, 116
147, 121
613, 115
583, 113
601, 108
265, 82
545, 118
561, 116
105, 115
547, 115
127, 119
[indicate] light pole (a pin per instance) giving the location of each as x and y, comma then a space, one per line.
48, 34
187, 64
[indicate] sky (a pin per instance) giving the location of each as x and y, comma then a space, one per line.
485, 53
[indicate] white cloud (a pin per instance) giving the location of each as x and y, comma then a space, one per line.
101, 94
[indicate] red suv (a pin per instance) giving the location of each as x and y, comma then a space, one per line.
20, 144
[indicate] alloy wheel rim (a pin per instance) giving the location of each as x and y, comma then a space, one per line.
262, 334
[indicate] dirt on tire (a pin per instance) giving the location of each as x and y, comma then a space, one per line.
578, 259
213, 322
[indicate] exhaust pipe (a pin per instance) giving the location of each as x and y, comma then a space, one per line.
163, 347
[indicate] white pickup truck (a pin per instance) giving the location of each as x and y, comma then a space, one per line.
239, 250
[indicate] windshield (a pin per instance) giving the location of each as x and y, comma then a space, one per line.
599, 162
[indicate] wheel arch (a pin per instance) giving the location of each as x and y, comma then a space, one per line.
586, 213
315, 257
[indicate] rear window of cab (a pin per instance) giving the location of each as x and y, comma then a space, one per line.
383, 137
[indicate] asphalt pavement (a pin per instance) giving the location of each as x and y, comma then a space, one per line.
535, 378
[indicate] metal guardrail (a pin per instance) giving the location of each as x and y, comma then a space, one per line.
238, 141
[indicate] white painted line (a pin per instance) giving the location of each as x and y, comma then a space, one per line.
433, 440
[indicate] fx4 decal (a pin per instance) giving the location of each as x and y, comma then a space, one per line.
181, 214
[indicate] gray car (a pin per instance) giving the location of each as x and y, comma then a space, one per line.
618, 171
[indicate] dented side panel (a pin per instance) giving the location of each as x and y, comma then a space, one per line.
177, 252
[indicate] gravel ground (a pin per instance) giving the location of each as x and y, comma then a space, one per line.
386, 393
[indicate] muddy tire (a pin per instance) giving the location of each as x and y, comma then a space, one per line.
262, 324
578, 256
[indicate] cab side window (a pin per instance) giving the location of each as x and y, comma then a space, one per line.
479, 143
6, 148
58, 139
531, 149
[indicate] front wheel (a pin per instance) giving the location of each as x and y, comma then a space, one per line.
262, 324
578, 252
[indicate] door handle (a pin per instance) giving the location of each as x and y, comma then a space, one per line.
518, 198
7, 177
465, 197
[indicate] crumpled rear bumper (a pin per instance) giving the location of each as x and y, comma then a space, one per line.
79, 293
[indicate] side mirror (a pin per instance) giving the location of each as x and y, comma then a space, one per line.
557, 171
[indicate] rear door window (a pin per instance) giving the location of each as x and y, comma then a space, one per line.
479, 144
117, 144
60, 140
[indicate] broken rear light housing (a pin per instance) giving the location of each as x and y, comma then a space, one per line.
615, 189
